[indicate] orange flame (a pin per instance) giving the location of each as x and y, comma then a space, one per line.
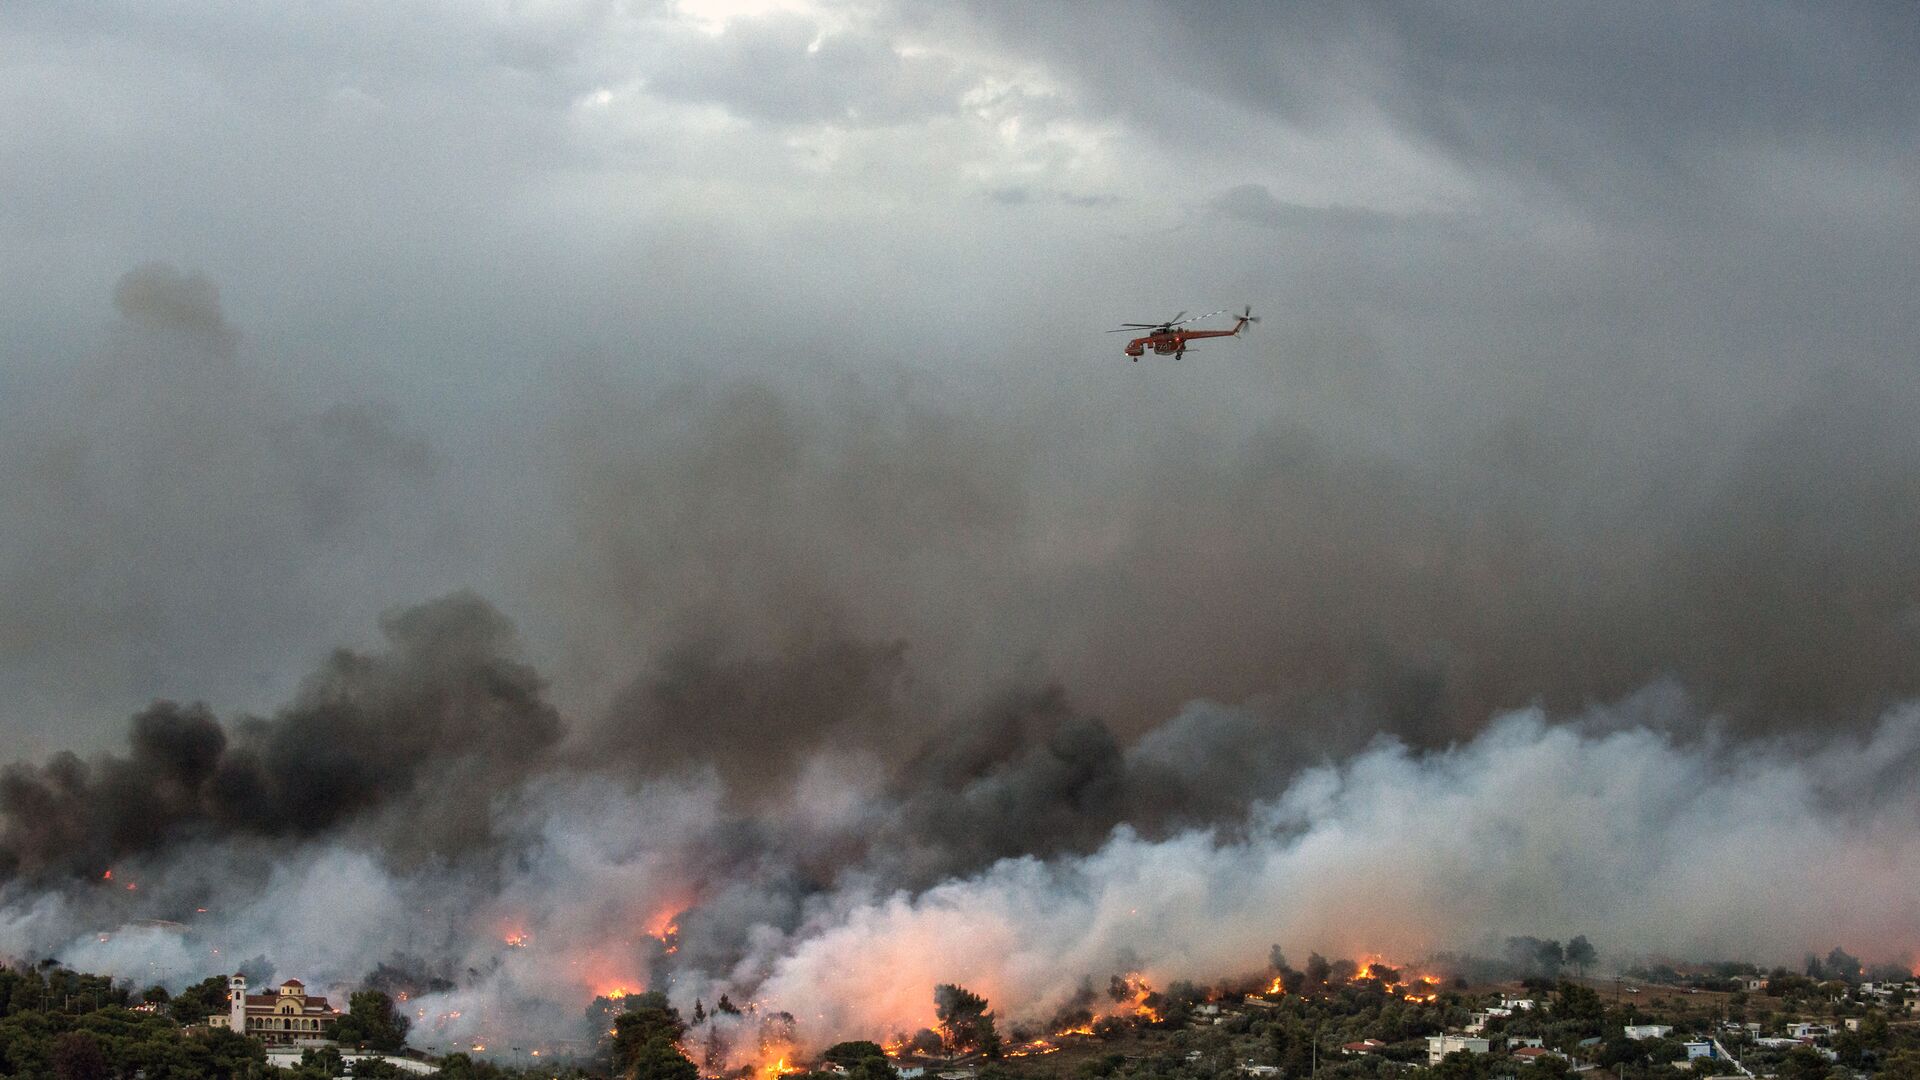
664, 923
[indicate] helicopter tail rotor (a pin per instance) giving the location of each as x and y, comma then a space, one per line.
1247, 318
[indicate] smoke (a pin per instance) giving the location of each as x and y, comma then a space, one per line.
830, 695
1024, 858
442, 713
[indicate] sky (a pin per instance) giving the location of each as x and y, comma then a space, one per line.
703, 413
1576, 294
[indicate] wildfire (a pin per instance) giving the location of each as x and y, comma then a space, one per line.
1136, 1006
1083, 1029
664, 923
1416, 988
1277, 988
777, 1068
1031, 1049
517, 940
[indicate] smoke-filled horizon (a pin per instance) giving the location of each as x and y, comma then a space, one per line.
415, 819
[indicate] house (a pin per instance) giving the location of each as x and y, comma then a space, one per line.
1439, 1046
1531, 1054
1364, 1046
1477, 1022
1516, 1004
1260, 1070
1648, 1031
1804, 1031
1698, 1048
286, 1017
1516, 1042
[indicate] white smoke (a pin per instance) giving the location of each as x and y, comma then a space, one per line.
1640, 841
1643, 840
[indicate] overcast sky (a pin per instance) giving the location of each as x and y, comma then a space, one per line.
1588, 353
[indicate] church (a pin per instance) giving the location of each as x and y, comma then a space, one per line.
283, 1018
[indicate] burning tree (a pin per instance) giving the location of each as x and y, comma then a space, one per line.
965, 1024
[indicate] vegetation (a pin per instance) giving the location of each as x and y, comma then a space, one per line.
57, 1024
372, 1022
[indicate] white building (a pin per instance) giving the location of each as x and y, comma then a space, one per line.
1439, 1046
1698, 1048
285, 1018
1648, 1031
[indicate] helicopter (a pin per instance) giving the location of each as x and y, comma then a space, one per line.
1166, 340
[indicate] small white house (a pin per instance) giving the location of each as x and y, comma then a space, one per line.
1439, 1046
1698, 1048
1648, 1031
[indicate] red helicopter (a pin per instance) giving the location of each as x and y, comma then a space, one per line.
1165, 340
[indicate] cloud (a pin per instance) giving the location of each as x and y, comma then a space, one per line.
788, 69
1255, 205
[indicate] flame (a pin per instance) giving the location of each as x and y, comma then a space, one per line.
517, 940
664, 923
615, 993
777, 1068
1137, 1006
1030, 1049
108, 876
1277, 988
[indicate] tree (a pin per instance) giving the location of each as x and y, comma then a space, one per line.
863, 1060
1843, 966
1581, 954
199, 1001
77, 1056
1803, 1063
965, 1024
647, 1038
660, 1059
372, 1021
649, 1016
1571, 1001
1904, 1065
1460, 1065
